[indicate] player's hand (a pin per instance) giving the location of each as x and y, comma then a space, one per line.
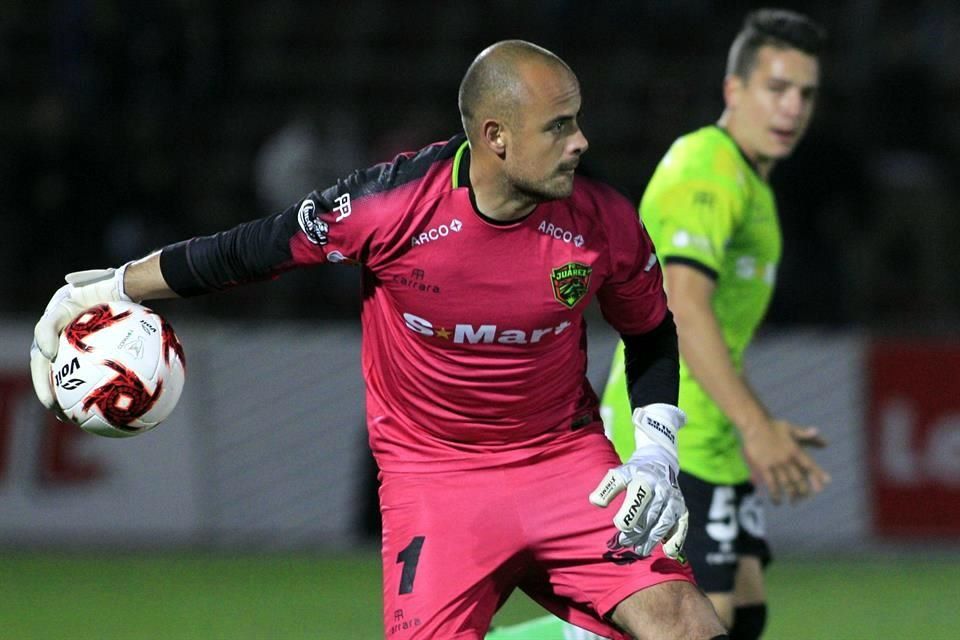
807, 437
784, 467
40, 374
84, 289
653, 509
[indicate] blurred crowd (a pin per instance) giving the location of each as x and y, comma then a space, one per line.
130, 125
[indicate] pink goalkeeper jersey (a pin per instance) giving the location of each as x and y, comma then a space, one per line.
474, 345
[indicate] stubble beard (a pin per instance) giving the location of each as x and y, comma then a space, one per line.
543, 190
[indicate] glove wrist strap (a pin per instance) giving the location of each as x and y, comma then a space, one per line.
97, 286
650, 429
121, 291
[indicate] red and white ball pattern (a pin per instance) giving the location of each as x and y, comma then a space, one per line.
119, 370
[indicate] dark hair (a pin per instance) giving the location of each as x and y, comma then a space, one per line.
779, 28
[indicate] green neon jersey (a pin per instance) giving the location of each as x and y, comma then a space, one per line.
706, 207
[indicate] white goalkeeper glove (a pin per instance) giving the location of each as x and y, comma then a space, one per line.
84, 289
653, 510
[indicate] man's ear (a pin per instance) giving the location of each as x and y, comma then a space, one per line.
732, 88
494, 136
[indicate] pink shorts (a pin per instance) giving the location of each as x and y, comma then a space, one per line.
455, 545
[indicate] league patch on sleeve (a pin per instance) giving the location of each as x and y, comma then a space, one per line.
316, 230
682, 239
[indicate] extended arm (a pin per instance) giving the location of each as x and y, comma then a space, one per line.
299, 236
771, 445
653, 509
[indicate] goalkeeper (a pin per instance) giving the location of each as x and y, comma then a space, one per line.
712, 216
485, 429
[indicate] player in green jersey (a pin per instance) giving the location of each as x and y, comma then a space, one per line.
713, 218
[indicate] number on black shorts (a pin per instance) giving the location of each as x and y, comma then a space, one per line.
410, 557
723, 525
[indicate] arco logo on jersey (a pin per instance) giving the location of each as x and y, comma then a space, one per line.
436, 233
463, 333
552, 230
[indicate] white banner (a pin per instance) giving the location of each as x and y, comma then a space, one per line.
267, 448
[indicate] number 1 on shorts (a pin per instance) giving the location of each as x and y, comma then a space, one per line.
410, 556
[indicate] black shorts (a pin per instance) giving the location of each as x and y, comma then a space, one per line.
726, 523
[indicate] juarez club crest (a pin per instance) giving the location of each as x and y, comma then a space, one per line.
570, 283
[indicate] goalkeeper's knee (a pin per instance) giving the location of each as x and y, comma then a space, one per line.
748, 622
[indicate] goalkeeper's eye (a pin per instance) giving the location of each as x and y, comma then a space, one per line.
561, 125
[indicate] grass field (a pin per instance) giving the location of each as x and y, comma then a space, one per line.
283, 597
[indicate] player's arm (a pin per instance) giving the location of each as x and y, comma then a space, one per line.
652, 365
251, 251
144, 280
771, 445
261, 249
653, 509
633, 301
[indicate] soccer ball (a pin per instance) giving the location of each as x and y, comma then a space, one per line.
119, 370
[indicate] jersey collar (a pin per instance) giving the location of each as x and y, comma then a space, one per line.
460, 177
746, 158
461, 166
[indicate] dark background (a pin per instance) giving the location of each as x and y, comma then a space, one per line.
128, 125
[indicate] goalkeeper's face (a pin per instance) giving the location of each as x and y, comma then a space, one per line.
544, 138
771, 108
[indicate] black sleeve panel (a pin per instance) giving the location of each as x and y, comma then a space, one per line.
262, 249
252, 251
652, 363
403, 169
